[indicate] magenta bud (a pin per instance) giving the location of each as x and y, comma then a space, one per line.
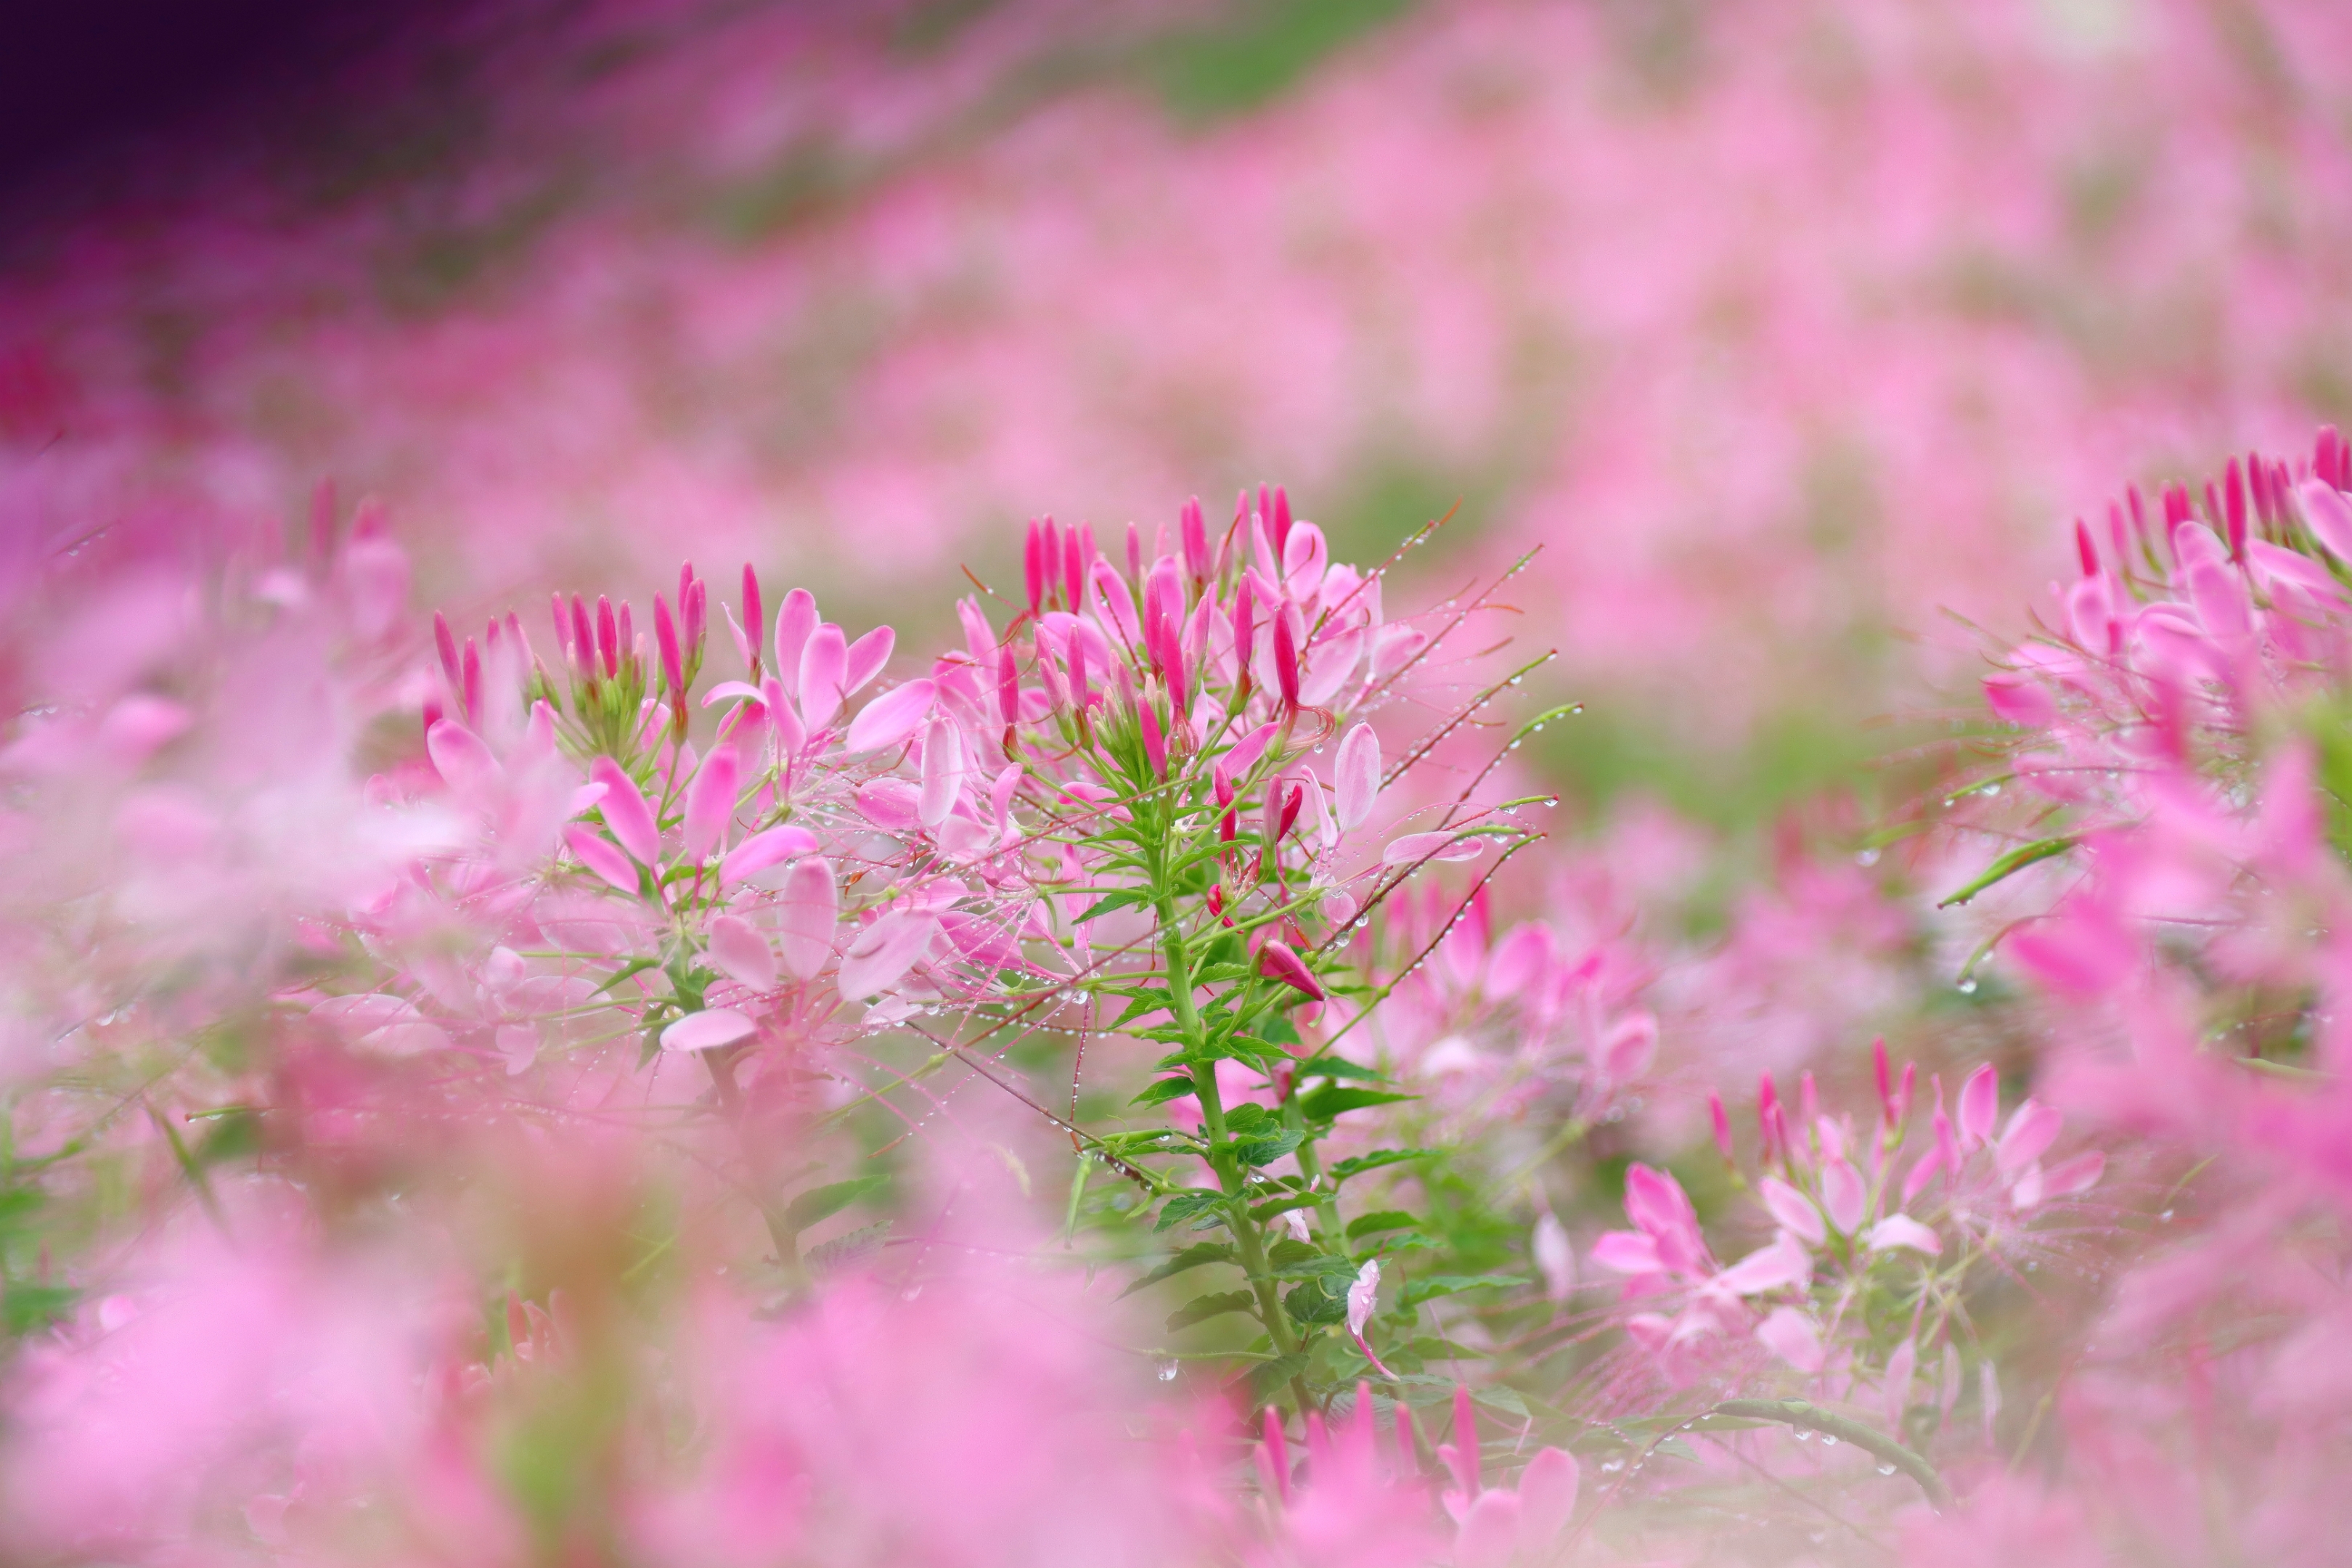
1033, 567
666, 642
1155, 745
446, 646
1277, 523
2084, 548
1286, 660
2233, 502
697, 613
1008, 684
1276, 962
1078, 690
608, 637
1134, 555
1720, 1121
1884, 1079
754, 624
583, 640
625, 642
1194, 528
471, 690
562, 623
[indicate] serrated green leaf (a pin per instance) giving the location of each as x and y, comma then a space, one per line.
818, 1203
1336, 1099
1280, 1031
1386, 1219
1164, 1091
1267, 1378
1200, 1309
1311, 1305
1267, 1210
1318, 1265
1246, 1117
1357, 1164
1185, 1204
1336, 1068
1190, 1257
1126, 898
1266, 1151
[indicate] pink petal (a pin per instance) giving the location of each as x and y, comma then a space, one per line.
883, 952
742, 953
1489, 1537
1357, 776
892, 717
1791, 1335
1980, 1106
2329, 514
1781, 1264
1902, 1230
942, 771
1844, 1195
592, 850
710, 1027
2077, 1174
763, 849
825, 667
1627, 1252
1415, 846
710, 804
1546, 1501
1555, 1255
1362, 1295
460, 757
626, 813
2033, 1128
795, 620
807, 912
1631, 1045
866, 656
893, 806
1794, 1211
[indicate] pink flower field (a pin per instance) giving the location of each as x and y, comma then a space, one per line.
1328, 782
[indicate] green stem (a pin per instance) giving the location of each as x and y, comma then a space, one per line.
1247, 1239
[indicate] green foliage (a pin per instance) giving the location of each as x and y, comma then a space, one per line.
819, 1203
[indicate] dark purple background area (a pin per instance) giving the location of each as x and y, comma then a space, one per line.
84, 80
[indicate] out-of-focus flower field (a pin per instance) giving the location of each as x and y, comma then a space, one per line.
1470, 784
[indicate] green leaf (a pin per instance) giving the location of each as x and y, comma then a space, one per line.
1357, 1164
1266, 1211
1190, 1257
1164, 1091
1280, 1030
1386, 1219
1126, 898
2009, 865
1334, 1100
1416, 1291
1151, 999
1339, 1067
1311, 1305
635, 966
1200, 1309
1268, 1150
1267, 1378
817, 1203
1318, 1265
1185, 1204
1246, 1119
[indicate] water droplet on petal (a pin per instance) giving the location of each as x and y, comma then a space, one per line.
1885, 1470
1168, 1370
1829, 1440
